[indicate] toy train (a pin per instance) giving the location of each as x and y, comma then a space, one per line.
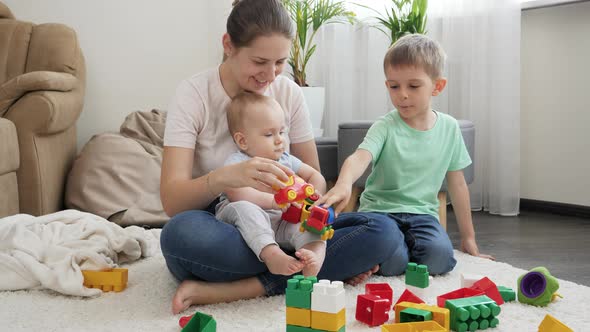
315, 219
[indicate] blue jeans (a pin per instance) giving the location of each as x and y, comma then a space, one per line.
418, 238
198, 246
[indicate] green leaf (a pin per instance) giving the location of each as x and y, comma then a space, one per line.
309, 16
403, 16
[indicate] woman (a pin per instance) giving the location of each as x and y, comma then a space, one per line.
208, 256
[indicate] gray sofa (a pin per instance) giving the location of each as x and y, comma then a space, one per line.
333, 151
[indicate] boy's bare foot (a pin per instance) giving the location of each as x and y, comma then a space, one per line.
359, 279
312, 263
278, 262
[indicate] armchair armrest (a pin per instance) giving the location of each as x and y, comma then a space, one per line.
15, 88
47, 112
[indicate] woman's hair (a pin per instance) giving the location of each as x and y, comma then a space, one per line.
250, 19
418, 51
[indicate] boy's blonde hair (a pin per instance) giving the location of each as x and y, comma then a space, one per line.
240, 105
416, 50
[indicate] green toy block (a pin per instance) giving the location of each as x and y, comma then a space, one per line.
201, 323
537, 287
298, 292
409, 315
295, 328
417, 275
473, 313
507, 293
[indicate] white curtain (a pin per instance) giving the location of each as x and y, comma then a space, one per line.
349, 63
482, 41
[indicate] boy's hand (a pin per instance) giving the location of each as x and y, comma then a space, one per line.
339, 194
469, 246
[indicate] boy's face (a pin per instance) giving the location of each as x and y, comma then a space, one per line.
410, 90
263, 131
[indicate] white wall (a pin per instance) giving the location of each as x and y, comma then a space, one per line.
136, 51
555, 104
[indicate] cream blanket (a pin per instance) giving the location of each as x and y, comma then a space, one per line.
50, 251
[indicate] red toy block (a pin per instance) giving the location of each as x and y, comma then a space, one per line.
314, 222
199, 322
489, 288
184, 320
292, 215
457, 294
408, 296
320, 214
383, 290
372, 310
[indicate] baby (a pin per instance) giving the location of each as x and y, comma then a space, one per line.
257, 125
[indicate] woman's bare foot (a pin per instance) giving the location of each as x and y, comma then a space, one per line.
312, 262
359, 279
191, 292
187, 294
278, 262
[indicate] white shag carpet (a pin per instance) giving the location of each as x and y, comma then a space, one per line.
145, 304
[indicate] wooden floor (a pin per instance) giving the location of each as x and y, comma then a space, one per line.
560, 243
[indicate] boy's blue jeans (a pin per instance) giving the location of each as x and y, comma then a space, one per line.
198, 246
418, 238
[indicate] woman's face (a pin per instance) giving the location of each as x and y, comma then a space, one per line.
257, 65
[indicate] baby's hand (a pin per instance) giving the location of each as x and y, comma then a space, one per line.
340, 195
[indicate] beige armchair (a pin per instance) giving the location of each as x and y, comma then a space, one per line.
9, 162
42, 82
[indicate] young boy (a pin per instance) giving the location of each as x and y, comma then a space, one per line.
257, 125
412, 149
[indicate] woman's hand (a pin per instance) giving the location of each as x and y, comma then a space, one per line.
469, 246
259, 173
339, 194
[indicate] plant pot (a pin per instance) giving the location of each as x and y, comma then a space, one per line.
315, 98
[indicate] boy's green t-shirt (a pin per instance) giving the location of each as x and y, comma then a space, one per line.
410, 165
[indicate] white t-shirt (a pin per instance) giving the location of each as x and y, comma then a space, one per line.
197, 118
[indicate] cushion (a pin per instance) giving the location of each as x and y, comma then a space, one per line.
117, 175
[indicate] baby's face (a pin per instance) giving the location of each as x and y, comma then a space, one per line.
265, 131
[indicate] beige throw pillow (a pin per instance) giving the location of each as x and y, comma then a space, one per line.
13, 89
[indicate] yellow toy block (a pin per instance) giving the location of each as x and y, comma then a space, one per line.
398, 327
299, 316
328, 322
439, 315
550, 324
427, 326
107, 280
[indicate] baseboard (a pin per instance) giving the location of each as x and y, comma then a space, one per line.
563, 209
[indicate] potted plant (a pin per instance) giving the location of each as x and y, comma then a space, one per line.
309, 16
405, 16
